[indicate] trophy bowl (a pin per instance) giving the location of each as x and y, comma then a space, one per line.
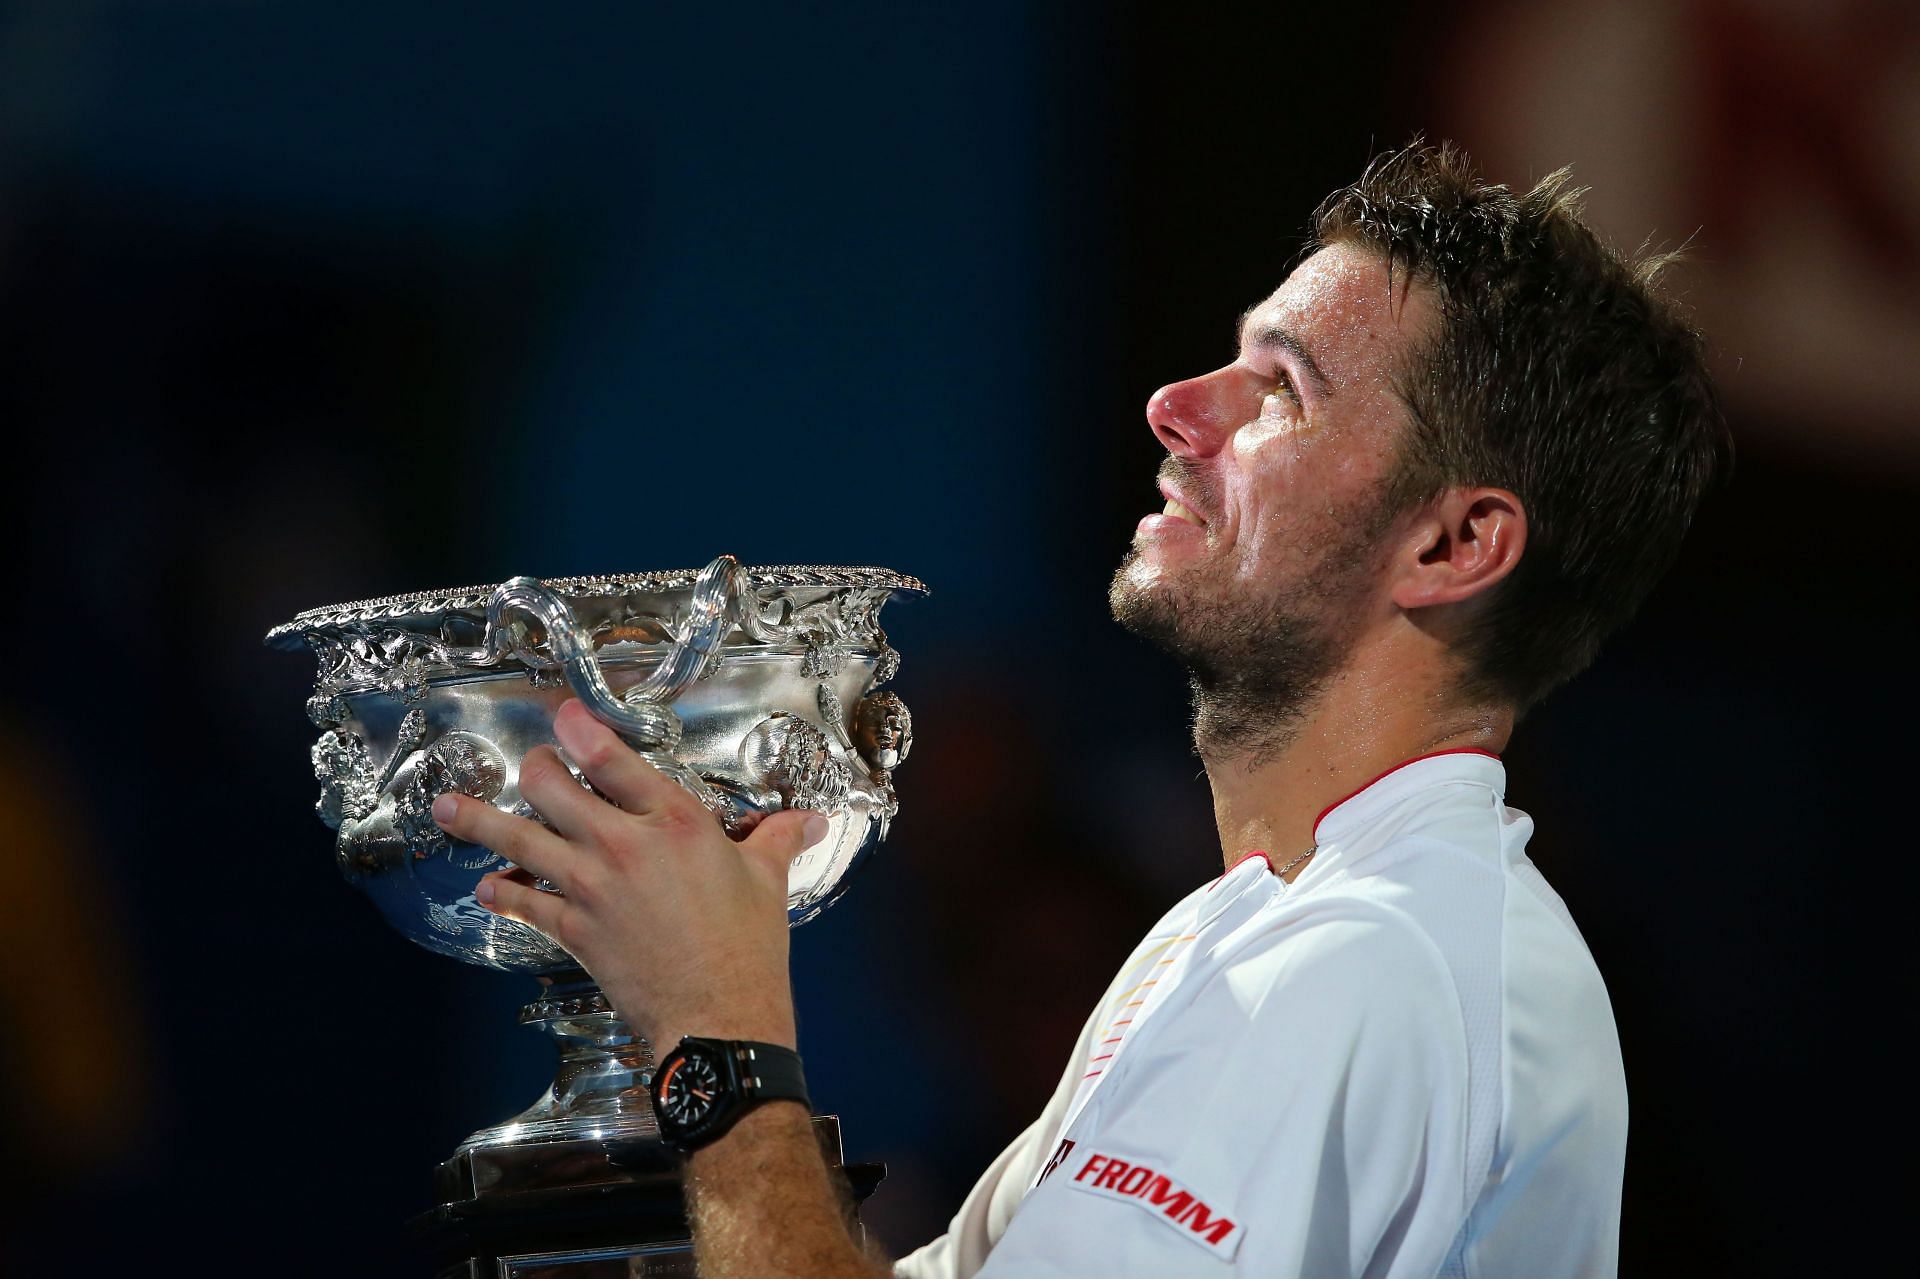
756, 689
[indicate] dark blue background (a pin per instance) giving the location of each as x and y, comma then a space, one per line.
307, 302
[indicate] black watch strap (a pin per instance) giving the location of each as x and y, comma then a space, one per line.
768, 1072
737, 1074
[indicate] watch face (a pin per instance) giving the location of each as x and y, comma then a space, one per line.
690, 1089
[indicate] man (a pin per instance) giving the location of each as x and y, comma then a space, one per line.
1453, 452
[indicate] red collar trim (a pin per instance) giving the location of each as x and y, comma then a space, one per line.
1457, 750
1260, 853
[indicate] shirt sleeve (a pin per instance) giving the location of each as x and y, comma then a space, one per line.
990, 1205
1310, 1094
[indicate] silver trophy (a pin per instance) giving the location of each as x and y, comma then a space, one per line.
753, 688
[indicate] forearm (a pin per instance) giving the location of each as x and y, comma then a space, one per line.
676, 920
763, 1204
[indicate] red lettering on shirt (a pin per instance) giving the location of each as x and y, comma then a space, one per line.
1202, 1222
1059, 1156
1133, 1181
1163, 1196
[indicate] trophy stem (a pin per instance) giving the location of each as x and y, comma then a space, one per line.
599, 1092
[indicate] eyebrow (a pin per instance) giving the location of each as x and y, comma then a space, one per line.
1272, 336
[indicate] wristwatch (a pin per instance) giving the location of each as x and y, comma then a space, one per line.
703, 1087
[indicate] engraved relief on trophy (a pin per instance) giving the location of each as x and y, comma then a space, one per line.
752, 688
459, 761
344, 769
883, 729
734, 682
792, 758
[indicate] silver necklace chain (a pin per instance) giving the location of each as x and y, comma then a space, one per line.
1282, 872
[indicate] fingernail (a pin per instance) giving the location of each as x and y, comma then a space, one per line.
814, 829
568, 729
444, 807
483, 892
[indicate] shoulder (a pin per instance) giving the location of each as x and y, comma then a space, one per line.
1306, 1086
1345, 1014
1353, 964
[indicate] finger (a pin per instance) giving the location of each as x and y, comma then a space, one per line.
522, 842
612, 765
558, 796
503, 894
783, 836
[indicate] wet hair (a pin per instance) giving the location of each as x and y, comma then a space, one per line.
1557, 372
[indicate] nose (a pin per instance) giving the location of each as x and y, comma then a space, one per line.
1193, 418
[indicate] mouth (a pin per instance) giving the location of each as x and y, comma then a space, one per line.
1177, 509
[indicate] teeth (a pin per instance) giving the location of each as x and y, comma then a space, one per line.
1180, 512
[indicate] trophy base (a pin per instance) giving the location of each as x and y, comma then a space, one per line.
581, 1209
599, 1091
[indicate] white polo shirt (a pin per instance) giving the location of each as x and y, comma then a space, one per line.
1404, 1064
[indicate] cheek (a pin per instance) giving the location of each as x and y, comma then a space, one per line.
1256, 438
1289, 496
1272, 439
1277, 513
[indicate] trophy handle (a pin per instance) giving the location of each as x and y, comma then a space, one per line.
643, 715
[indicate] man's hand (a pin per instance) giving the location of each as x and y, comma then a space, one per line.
684, 929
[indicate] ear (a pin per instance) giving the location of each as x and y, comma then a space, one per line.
1460, 546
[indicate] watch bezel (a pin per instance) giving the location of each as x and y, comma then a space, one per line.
727, 1107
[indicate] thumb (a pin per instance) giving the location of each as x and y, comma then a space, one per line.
783, 836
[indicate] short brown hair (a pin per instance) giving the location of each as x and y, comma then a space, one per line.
1556, 372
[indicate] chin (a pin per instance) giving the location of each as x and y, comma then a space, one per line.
1137, 573
1144, 599
1138, 569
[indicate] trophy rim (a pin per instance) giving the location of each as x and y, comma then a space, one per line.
592, 586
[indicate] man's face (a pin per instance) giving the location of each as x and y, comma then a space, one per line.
1263, 568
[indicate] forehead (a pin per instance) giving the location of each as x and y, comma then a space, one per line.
1341, 305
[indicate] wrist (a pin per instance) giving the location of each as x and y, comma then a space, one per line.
766, 1025
773, 1123
704, 1086
710, 1028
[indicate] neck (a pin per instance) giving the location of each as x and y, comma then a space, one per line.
1359, 726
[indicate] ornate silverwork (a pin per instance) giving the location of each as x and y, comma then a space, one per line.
833, 715
421, 694
326, 709
344, 768
426, 613
734, 682
794, 758
883, 730
581, 1005
459, 761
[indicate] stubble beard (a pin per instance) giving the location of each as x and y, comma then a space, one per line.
1256, 662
